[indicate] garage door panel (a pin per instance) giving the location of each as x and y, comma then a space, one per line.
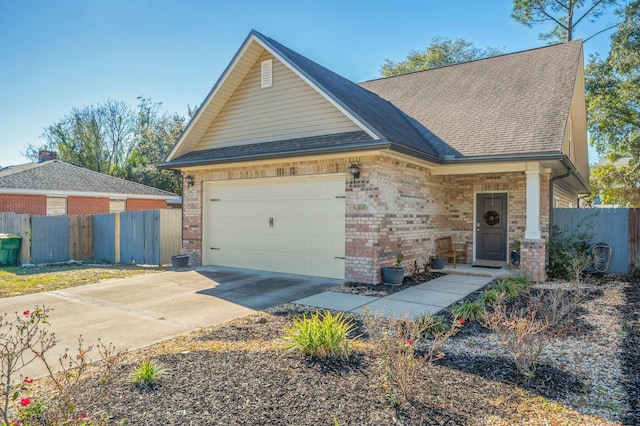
289, 209
306, 235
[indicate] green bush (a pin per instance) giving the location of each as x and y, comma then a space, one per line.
563, 247
430, 325
146, 374
470, 311
321, 334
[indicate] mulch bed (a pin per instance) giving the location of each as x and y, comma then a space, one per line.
381, 290
238, 374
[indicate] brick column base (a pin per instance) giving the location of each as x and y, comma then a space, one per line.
533, 259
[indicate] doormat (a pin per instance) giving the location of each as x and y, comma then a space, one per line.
486, 266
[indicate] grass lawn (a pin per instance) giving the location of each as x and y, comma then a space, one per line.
16, 280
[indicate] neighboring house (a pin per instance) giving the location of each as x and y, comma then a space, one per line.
51, 187
290, 167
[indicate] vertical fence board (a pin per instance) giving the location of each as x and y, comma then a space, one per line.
151, 237
19, 224
170, 234
634, 239
132, 237
49, 239
81, 237
608, 226
104, 237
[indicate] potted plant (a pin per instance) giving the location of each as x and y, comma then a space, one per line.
394, 274
180, 260
515, 253
437, 262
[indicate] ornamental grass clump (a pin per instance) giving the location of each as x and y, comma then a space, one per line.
470, 311
321, 335
430, 325
146, 374
512, 286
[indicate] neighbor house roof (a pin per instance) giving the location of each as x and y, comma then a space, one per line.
58, 177
511, 105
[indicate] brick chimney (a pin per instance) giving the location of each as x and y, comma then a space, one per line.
46, 156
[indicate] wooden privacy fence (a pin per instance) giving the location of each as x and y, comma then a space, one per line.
13, 223
143, 237
619, 228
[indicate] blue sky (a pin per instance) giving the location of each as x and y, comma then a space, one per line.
57, 55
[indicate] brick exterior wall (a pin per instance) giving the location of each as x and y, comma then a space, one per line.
87, 205
533, 259
34, 205
393, 207
145, 204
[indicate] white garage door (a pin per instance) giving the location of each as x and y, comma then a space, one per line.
294, 225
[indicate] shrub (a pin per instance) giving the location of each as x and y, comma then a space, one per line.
21, 338
557, 306
470, 311
564, 246
396, 346
522, 334
321, 334
430, 325
75, 400
146, 374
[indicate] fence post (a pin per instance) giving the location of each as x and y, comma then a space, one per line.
117, 238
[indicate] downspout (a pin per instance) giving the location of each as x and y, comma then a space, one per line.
551, 181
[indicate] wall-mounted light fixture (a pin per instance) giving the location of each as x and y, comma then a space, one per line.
189, 180
354, 170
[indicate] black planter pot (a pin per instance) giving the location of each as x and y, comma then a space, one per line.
438, 262
180, 261
393, 276
515, 257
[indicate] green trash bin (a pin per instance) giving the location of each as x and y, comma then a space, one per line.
9, 249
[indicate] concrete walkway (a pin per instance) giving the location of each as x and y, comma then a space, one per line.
430, 297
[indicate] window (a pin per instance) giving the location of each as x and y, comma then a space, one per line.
556, 202
116, 206
56, 206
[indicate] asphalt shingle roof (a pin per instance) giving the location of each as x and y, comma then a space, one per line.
510, 104
515, 104
382, 115
56, 175
289, 147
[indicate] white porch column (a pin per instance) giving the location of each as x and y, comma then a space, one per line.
533, 232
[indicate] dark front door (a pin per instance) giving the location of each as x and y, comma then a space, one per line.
491, 227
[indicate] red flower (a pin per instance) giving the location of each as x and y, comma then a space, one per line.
27, 381
25, 401
410, 341
83, 415
26, 312
461, 320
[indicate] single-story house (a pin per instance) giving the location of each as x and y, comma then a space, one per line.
290, 167
52, 187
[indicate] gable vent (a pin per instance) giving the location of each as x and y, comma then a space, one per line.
267, 73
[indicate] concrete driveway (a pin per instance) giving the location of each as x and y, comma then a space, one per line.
136, 312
